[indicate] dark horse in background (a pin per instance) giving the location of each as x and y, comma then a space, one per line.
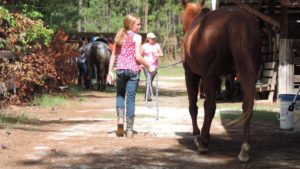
217, 43
97, 56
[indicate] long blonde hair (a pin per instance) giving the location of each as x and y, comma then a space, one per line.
128, 24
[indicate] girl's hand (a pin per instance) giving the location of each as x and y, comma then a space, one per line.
151, 69
109, 78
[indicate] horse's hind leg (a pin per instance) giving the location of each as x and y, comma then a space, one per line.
247, 62
248, 102
192, 84
102, 79
247, 67
89, 75
99, 78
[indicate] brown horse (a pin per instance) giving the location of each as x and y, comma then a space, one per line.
217, 43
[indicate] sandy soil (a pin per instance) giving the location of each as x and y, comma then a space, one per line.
81, 135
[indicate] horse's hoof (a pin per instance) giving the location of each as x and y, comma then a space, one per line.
244, 154
243, 158
201, 148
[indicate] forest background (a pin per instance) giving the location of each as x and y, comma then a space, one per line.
35, 56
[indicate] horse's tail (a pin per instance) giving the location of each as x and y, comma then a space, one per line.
247, 58
103, 58
104, 55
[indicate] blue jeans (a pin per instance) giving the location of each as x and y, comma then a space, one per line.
83, 72
127, 83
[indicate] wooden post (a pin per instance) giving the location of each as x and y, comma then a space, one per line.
215, 4
286, 68
286, 65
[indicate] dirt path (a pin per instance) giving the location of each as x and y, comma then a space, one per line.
80, 135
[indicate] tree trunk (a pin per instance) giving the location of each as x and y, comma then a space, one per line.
146, 15
79, 22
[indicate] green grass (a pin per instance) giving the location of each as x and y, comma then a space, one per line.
49, 100
106, 115
229, 106
258, 115
232, 111
174, 71
76, 89
8, 119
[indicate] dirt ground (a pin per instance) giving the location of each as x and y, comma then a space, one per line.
81, 135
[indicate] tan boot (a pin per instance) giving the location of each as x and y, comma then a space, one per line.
129, 127
120, 125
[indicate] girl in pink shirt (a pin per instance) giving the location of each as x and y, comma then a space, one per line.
151, 51
127, 55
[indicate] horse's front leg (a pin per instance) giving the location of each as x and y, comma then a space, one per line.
209, 87
192, 85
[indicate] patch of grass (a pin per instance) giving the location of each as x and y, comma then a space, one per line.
106, 115
174, 71
76, 89
258, 115
14, 118
238, 106
49, 100
229, 106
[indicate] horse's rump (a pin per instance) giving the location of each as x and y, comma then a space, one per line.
98, 56
214, 38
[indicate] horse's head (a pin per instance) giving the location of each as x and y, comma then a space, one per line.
191, 10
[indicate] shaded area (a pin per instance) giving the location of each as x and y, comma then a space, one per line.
184, 155
270, 149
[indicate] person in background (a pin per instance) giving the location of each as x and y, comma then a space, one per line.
111, 44
127, 55
151, 51
82, 65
